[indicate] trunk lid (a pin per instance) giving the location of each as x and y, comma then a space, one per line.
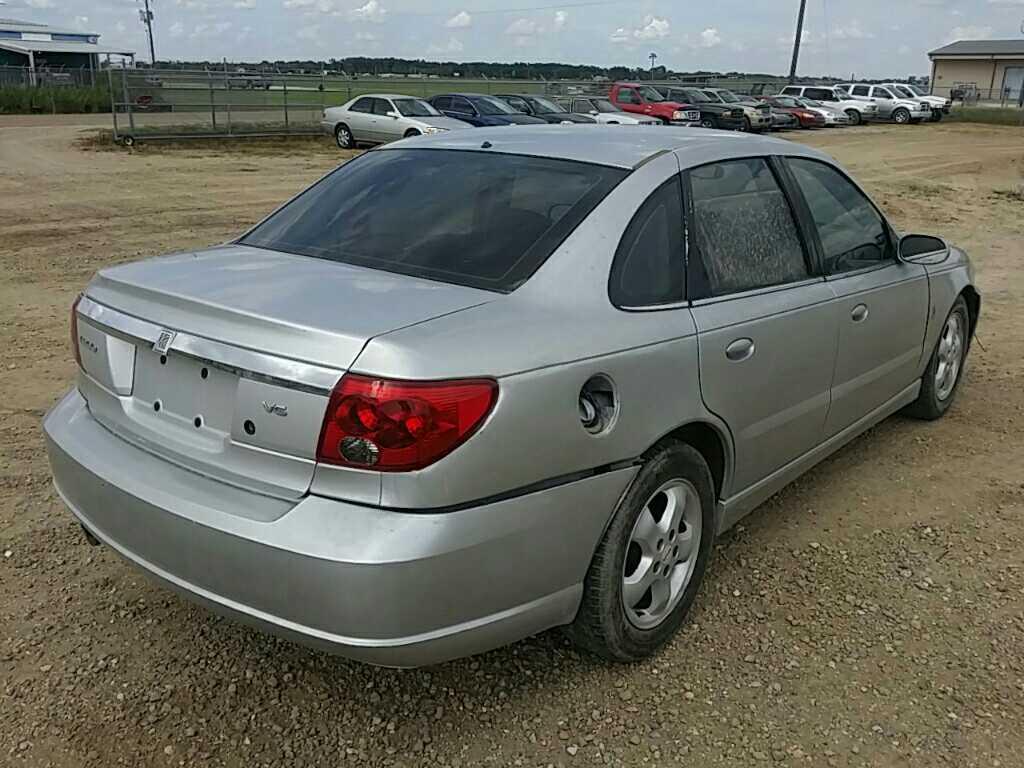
222, 360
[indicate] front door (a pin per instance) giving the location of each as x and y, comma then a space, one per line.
766, 330
885, 100
387, 127
880, 304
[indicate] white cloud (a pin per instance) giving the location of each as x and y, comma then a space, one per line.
39, 3
120, 28
244, 5
970, 32
177, 29
523, 28
652, 28
561, 17
81, 22
366, 37
709, 38
851, 31
310, 34
460, 20
191, 5
454, 45
299, 3
371, 11
204, 29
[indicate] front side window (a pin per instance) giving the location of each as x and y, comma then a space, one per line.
650, 94
442, 102
648, 266
381, 106
853, 233
461, 106
517, 103
479, 219
744, 230
415, 108
882, 93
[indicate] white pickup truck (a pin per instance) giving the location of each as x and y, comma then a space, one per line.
939, 105
857, 110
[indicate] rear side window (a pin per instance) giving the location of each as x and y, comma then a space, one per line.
860, 90
648, 266
792, 90
819, 94
853, 233
479, 219
744, 230
442, 103
362, 105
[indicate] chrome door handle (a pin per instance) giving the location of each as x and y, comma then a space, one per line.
859, 313
741, 349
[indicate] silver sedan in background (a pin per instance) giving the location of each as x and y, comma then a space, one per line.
460, 391
603, 111
376, 118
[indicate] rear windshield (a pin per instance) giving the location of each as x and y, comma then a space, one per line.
480, 219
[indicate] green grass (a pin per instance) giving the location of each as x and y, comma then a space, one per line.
49, 99
987, 115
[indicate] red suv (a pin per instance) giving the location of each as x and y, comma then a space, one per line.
645, 100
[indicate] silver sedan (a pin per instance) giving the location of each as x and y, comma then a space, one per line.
459, 392
377, 118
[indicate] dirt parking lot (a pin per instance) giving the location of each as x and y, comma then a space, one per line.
870, 615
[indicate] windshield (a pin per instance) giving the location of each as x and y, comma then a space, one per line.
918, 91
543, 106
650, 94
487, 105
471, 218
785, 101
415, 108
728, 97
695, 96
904, 91
603, 105
811, 103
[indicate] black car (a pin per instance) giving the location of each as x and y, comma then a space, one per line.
712, 114
545, 109
480, 110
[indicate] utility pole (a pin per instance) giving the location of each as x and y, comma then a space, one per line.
653, 57
146, 17
796, 41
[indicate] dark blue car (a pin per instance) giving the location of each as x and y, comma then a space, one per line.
480, 110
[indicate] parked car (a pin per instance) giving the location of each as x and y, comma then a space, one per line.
481, 110
603, 111
939, 105
890, 106
783, 120
546, 109
758, 115
379, 423
808, 118
834, 118
248, 82
859, 111
379, 117
713, 113
645, 100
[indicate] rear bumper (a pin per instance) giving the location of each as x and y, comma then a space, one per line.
391, 588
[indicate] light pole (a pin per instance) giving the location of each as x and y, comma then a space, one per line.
653, 57
796, 41
146, 17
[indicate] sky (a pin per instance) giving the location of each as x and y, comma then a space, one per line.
862, 38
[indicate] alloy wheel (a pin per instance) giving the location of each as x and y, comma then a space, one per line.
951, 355
344, 137
662, 553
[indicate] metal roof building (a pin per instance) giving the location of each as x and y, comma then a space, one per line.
40, 46
993, 68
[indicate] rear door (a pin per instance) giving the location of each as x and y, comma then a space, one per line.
360, 119
766, 330
881, 303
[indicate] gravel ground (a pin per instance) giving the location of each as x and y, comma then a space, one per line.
872, 614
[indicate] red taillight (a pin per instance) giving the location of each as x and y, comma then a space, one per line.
398, 426
74, 330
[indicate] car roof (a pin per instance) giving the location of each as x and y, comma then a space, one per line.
598, 145
386, 96
467, 94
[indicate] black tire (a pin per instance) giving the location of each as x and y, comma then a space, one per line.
128, 140
748, 127
412, 132
707, 122
343, 137
929, 406
901, 116
936, 116
601, 625
854, 115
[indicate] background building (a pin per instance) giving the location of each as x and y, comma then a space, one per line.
994, 68
42, 48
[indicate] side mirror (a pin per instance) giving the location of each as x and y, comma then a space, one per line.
594, 112
915, 246
393, 115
